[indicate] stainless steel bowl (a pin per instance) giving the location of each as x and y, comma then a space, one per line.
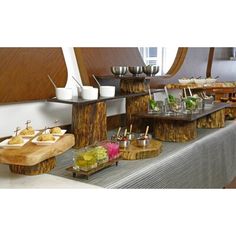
119, 70
114, 137
150, 70
124, 143
143, 142
142, 136
130, 136
136, 70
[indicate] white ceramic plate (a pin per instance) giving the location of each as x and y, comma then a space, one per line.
35, 141
63, 131
4, 144
185, 81
30, 136
211, 81
200, 81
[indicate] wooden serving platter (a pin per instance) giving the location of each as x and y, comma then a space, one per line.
133, 152
78, 173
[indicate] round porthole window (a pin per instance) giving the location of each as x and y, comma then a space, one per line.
169, 59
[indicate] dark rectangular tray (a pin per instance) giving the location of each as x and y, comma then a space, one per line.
183, 117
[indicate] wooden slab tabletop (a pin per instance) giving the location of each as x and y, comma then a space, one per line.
133, 152
31, 154
199, 86
183, 117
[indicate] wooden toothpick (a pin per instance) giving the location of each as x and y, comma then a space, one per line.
16, 131
27, 123
45, 129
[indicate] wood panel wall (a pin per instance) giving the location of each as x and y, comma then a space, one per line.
23, 73
99, 60
210, 62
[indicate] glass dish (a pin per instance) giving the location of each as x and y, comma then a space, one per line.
190, 104
175, 106
155, 106
90, 157
112, 148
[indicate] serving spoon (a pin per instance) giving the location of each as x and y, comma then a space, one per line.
52, 81
96, 81
77, 82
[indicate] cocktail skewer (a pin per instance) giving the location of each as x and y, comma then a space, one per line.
16, 131
27, 123
190, 92
130, 128
118, 132
167, 95
185, 95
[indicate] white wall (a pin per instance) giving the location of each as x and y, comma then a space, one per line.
195, 65
222, 66
44, 113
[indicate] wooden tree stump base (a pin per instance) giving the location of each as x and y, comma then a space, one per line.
136, 105
134, 152
175, 130
212, 121
133, 86
89, 123
230, 113
41, 168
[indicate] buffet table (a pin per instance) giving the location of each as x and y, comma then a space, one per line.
207, 162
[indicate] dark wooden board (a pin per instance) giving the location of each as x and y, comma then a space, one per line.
76, 100
129, 77
98, 61
23, 73
133, 152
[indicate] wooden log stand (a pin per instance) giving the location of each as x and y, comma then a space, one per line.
135, 105
131, 85
230, 112
89, 123
41, 168
212, 121
175, 130
133, 152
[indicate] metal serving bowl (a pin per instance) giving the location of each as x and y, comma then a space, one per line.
114, 137
124, 143
150, 70
130, 136
142, 136
119, 70
136, 70
143, 142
